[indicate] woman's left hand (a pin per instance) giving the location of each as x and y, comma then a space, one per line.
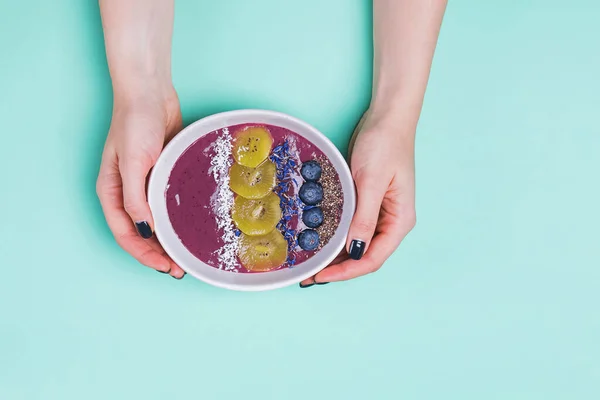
382, 163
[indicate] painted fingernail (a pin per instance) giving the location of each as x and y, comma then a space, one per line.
144, 229
305, 286
180, 278
164, 272
321, 283
357, 248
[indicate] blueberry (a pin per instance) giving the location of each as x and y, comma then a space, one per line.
311, 193
313, 217
311, 171
308, 240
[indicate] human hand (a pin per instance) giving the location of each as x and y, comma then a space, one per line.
381, 156
140, 127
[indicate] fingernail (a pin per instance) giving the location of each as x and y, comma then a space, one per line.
164, 272
180, 278
144, 229
357, 248
321, 283
305, 286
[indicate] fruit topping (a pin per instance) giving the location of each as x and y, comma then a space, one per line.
256, 217
252, 146
313, 217
308, 240
311, 193
253, 183
311, 171
262, 253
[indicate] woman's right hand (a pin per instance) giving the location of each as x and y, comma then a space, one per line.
141, 125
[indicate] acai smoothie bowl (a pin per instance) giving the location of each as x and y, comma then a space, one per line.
251, 200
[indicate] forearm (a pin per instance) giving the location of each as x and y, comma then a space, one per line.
405, 35
138, 44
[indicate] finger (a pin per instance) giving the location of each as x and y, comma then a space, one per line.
342, 256
370, 192
141, 250
133, 174
176, 271
109, 188
382, 246
136, 206
307, 282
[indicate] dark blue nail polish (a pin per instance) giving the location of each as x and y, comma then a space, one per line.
321, 283
144, 229
164, 272
305, 286
357, 248
180, 277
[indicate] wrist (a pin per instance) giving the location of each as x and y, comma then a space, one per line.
140, 88
395, 114
151, 97
394, 102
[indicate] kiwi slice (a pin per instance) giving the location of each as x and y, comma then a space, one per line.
253, 183
252, 146
262, 253
256, 217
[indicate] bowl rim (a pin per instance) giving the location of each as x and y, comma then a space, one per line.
156, 196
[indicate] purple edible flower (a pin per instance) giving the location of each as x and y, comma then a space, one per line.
285, 163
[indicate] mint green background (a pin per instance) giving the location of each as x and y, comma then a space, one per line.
494, 295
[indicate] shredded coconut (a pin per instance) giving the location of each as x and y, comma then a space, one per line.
222, 200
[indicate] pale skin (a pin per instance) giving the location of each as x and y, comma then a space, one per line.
146, 115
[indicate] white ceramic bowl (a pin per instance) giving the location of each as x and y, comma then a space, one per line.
239, 281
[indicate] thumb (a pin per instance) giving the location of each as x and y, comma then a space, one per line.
370, 192
133, 174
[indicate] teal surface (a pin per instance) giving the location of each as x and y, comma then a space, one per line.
494, 295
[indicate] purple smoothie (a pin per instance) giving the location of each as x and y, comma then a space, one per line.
192, 186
